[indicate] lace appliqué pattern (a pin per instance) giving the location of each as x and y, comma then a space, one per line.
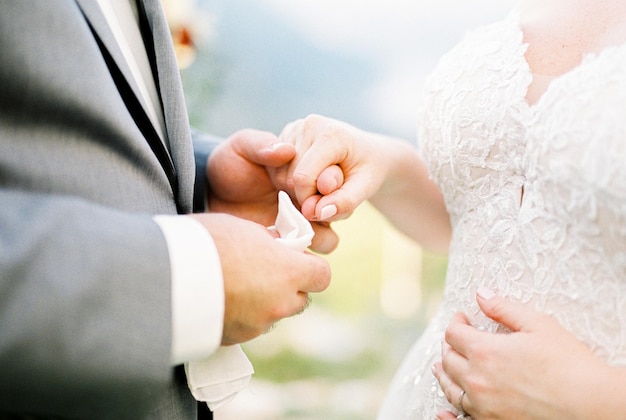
561, 244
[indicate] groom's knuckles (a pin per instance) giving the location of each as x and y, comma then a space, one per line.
325, 239
252, 139
317, 276
286, 307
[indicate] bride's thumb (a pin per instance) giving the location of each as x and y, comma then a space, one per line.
513, 315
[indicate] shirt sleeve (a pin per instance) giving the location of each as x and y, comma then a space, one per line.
197, 289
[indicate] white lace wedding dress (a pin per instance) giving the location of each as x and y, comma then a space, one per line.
536, 195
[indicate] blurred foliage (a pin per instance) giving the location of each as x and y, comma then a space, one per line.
289, 365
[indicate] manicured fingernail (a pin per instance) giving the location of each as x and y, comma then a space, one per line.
328, 212
274, 146
485, 293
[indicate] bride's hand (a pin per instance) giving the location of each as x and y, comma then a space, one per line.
537, 371
336, 168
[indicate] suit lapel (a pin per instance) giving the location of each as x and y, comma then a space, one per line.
92, 12
135, 102
172, 97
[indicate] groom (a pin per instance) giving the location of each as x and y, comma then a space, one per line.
107, 283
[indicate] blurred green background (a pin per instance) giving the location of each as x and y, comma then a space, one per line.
263, 63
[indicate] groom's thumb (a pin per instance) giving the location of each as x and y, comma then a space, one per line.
513, 315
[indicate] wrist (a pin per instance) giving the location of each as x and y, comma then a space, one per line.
598, 392
398, 160
609, 387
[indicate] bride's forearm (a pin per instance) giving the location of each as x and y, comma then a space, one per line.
410, 200
387, 171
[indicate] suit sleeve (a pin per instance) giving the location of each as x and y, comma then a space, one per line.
84, 308
203, 145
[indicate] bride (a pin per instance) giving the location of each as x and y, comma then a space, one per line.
520, 176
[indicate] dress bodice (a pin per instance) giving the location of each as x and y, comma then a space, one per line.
536, 195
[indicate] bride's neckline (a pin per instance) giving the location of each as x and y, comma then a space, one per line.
541, 84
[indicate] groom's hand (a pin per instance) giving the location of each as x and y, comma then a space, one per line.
240, 184
264, 280
238, 180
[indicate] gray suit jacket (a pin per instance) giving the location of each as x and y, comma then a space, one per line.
85, 322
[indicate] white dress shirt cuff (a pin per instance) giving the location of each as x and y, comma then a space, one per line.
216, 380
197, 289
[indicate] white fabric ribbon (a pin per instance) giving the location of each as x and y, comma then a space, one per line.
220, 377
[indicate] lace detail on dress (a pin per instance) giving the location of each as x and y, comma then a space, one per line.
562, 245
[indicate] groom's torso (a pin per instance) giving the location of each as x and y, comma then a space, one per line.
73, 122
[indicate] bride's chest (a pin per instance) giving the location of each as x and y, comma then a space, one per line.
477, 128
